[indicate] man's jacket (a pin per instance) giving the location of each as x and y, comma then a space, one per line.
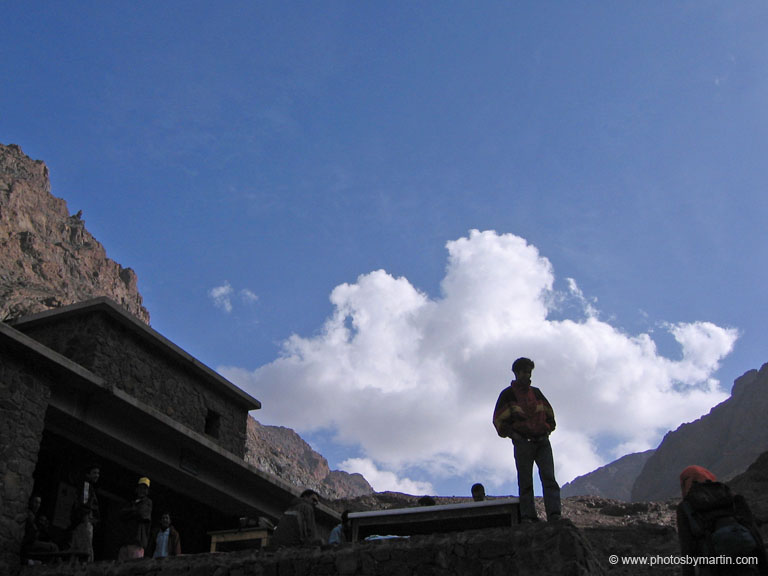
523, 411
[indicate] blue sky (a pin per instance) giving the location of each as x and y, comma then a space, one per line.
363, 212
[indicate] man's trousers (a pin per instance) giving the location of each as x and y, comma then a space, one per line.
540, 452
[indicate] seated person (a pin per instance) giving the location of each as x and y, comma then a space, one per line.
35, 540
297, 526
341, 532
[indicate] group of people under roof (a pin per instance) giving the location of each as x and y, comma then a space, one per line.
137, 537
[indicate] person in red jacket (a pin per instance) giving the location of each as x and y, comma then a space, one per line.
523, 414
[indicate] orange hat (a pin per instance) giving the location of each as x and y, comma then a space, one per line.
694, 474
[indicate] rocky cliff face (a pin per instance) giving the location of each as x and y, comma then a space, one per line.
282, 452
725, 441
47, 257
614, 480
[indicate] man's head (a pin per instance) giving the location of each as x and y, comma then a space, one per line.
523, 367
427, 501
92, 473
312, 496
165, 521
478, 492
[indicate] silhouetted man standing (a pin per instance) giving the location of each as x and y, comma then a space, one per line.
85, 512
523, 414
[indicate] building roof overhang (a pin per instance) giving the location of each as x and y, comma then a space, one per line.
164, 346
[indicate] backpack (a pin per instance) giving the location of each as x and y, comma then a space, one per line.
711, 513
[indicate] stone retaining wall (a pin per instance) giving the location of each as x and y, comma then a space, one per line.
541, 549
23, 403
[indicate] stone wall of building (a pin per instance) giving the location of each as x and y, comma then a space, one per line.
146, 372
532, 550
23, 403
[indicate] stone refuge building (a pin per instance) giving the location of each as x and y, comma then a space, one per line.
90, 383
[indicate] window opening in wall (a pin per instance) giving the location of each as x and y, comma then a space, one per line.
212, 424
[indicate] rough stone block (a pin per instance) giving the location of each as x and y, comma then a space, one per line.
346, 562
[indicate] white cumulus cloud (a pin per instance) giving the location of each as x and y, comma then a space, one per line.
411, 380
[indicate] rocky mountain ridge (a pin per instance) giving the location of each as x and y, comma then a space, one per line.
614, 480
282, 452
726, 440
47, 257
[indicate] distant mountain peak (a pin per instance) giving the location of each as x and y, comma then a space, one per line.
614, 480
281, 451
725, 441
48, 259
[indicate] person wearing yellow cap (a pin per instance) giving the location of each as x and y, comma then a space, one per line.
136, 518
